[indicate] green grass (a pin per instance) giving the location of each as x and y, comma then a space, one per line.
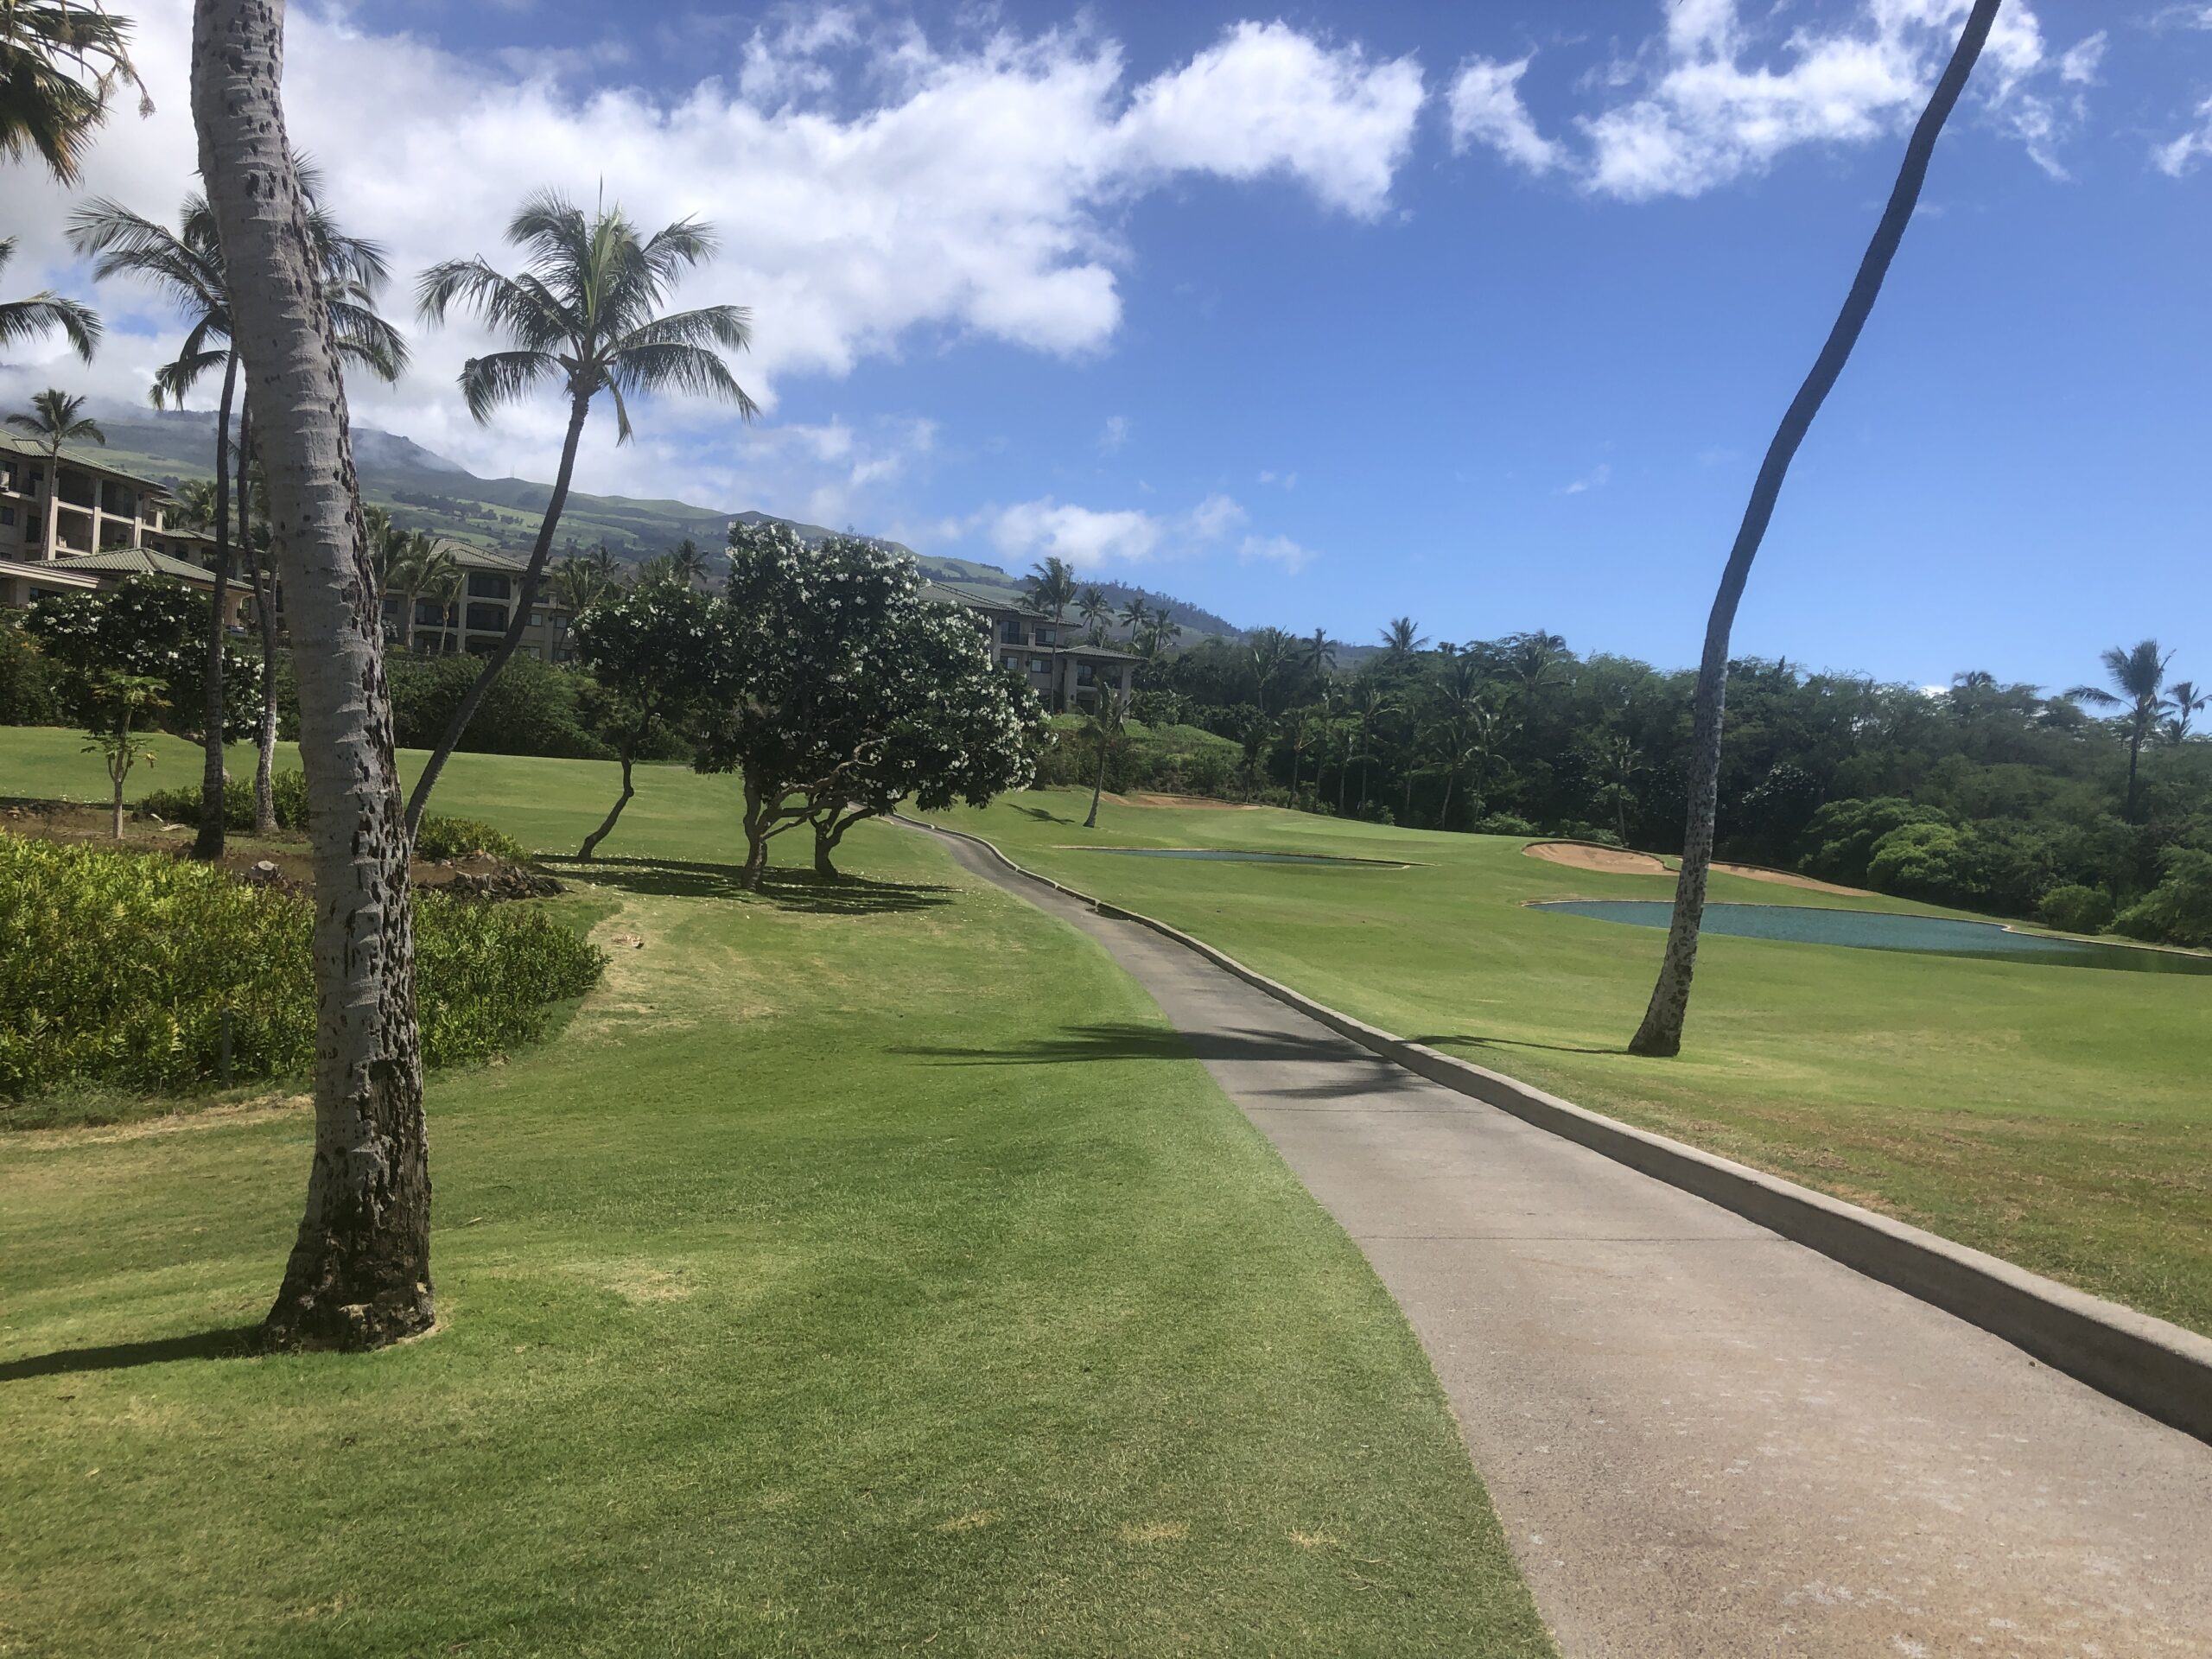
788, 1309
2054, 1116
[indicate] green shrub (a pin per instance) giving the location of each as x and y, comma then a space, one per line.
531, 709
28, 696
116, 968
2178, 911
2077, 909
288, 792
1504, 823
439, 837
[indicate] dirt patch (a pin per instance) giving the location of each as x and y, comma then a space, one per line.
1785, 879
1202, 803
1610, 861
264, 1111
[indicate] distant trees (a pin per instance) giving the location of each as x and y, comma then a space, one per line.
836, 691
1053, 590
583, 317
2137, 677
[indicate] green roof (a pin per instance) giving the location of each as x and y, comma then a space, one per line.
133, 561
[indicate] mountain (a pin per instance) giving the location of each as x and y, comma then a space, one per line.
425, 490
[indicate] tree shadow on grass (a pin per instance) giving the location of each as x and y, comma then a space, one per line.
1465, 1040
1041, 815
800, 891
1350, 1071
237, 1341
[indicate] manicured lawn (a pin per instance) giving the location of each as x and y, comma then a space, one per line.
771, 1332
2056, 1116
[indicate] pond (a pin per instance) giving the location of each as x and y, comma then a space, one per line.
1231, 855
1882, 930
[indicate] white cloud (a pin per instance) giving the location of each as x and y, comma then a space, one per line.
1717, 98
1288, 481
1114, 434
1596, 479
872, 186
1097, 541
1486, 107
2174, 158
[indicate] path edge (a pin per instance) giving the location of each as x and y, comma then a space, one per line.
2144, 1363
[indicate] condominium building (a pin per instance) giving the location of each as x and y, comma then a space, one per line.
1048, 654
475, 617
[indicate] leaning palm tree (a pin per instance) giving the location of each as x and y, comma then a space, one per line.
583, 316
1051, 590
186, 267
1660, 1033
2138, 678
1105, 730
59, 63
358, 1276
55, 418
27, 319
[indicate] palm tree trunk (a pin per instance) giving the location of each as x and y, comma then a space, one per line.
1660, 1033
359, 1273
579, 407
1444, 816
213, 821
606, 825
264, 616
2135, 756
1098, 787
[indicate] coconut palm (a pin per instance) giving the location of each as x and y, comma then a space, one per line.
1370, 701
55, 418
687, 564
583, 316
186, 267
358, 1276
1051, 590
1095, 610
1270, 651
2137, 677
576, 582
1403, 638
1134, 615
1320, 653
420, 567
27, 319
2186, 702
443, 588
60, 60
1661, 1033
1105, 730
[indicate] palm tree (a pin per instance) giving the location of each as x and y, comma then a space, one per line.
576, 582
27, 319
1466, 734
1320, 654
1269, 652
1051, 590
358, 1276
186, 267
1134, 615
2186, 702
55, 418
687, 564
443, 589
420, 567
1403, 638
1614, 764
192, 507
1095, 610
1104, 729
1661, 1033
59, 61
1369, 702
583, 316
2139, 679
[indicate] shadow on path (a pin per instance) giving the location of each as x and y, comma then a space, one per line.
801, 890
1514, 1042
237, 1341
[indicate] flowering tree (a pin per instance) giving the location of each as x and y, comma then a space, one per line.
146, 626
838, 691
647, 649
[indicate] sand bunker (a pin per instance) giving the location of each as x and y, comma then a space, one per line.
1785, 879
1612, 861
1203, 802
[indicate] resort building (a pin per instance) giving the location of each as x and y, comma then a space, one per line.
74, 523
475, 616
1047, 654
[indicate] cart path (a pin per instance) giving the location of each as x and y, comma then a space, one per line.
1702, 1439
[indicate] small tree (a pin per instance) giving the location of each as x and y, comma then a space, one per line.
1105, 730
647, 652
149, 626
836, 691
118, 703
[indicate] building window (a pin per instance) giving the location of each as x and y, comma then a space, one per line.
537, 619
1086, 674
491, 617
429, 614
1010, 632
7, 515
560, 653
486, 584
560, 625
1044, 637
1039, 665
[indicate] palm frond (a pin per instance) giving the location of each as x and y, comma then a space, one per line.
671, 366
504, 377
26, 319
176, 377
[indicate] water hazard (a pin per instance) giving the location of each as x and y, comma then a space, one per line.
1878, 930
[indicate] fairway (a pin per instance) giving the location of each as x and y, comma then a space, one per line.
2055, 1116
766, 1328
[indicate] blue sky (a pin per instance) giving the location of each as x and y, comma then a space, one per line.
1319, 315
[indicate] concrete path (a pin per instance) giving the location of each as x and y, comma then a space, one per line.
1705, 1440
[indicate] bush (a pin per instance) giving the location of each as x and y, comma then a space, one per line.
530, 710
441, 838
2178, 911
1841, 840
2077, 909
1504, 823
288, 792
28, 696
115, 969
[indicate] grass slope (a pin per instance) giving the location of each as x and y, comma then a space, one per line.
786, 1317
2056, 1117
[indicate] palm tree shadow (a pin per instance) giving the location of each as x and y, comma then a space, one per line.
236, 1342
800, 891
1041, 814
1465, 1040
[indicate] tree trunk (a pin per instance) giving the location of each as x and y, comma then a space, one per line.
264, 616
1444, 816
579, 406
359, 1273
1097, 788
606, 826
1660, 1033
118, 772
2134, 755
756, 838
213, 819
826, 837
